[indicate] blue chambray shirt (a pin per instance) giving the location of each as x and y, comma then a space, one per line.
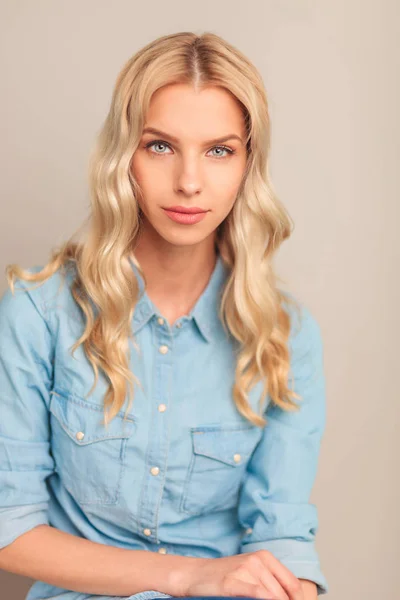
186, 474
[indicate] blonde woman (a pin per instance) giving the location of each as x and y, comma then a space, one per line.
162, 398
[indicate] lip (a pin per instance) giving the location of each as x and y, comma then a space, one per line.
183, 209
185, 218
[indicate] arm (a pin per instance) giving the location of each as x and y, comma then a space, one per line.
275, 497
29, 546
64, 560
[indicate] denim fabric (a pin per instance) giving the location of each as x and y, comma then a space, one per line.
186, 473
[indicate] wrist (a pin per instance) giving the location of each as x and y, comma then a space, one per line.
181, 574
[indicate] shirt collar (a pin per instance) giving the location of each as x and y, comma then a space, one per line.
205, 311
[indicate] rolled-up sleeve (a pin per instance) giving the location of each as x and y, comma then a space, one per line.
274, 504
25, 384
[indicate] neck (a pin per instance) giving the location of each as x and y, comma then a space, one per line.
175, 275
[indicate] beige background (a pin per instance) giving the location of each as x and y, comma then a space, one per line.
331, 70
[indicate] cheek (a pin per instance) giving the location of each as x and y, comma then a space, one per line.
138, 169
224, 192
151, 186
227, 178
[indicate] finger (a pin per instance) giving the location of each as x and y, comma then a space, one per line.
256, 572
287, 580
273, 586
236, 587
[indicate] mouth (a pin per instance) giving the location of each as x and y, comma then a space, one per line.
192, 210
185, 216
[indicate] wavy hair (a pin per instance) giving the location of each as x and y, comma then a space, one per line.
104, 283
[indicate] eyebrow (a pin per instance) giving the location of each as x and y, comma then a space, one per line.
225, 138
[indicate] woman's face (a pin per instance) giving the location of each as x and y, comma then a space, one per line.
183, 165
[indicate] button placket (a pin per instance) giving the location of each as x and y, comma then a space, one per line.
159, 442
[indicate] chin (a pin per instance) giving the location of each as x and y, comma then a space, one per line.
182, 235
181, 239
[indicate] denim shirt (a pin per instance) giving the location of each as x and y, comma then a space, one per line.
186, 474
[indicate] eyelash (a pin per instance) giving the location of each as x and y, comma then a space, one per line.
152, 143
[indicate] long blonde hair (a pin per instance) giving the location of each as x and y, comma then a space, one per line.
105, 286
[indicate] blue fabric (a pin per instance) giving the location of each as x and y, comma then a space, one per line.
186, 474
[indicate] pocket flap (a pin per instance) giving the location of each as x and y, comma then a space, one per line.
82, 420
232, 446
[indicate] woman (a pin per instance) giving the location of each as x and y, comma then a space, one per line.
200, 485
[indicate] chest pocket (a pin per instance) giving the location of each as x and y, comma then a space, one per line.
217, 467
90, 458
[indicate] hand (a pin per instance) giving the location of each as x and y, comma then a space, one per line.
257, 574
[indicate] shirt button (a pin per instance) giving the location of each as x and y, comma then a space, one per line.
179, 325
147, 531
162, 551
154, 470
160, 321
249, 530
162, 407
80, 435
237, 457
163, 349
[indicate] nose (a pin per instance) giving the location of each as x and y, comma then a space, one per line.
188, 177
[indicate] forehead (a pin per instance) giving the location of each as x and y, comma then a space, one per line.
185, 112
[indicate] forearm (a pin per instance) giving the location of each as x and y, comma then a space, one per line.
309, 589
47, 554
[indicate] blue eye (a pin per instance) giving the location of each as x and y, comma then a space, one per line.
157, 144
224, 148
162, 143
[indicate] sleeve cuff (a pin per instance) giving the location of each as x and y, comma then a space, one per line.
299, 557
18, 520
